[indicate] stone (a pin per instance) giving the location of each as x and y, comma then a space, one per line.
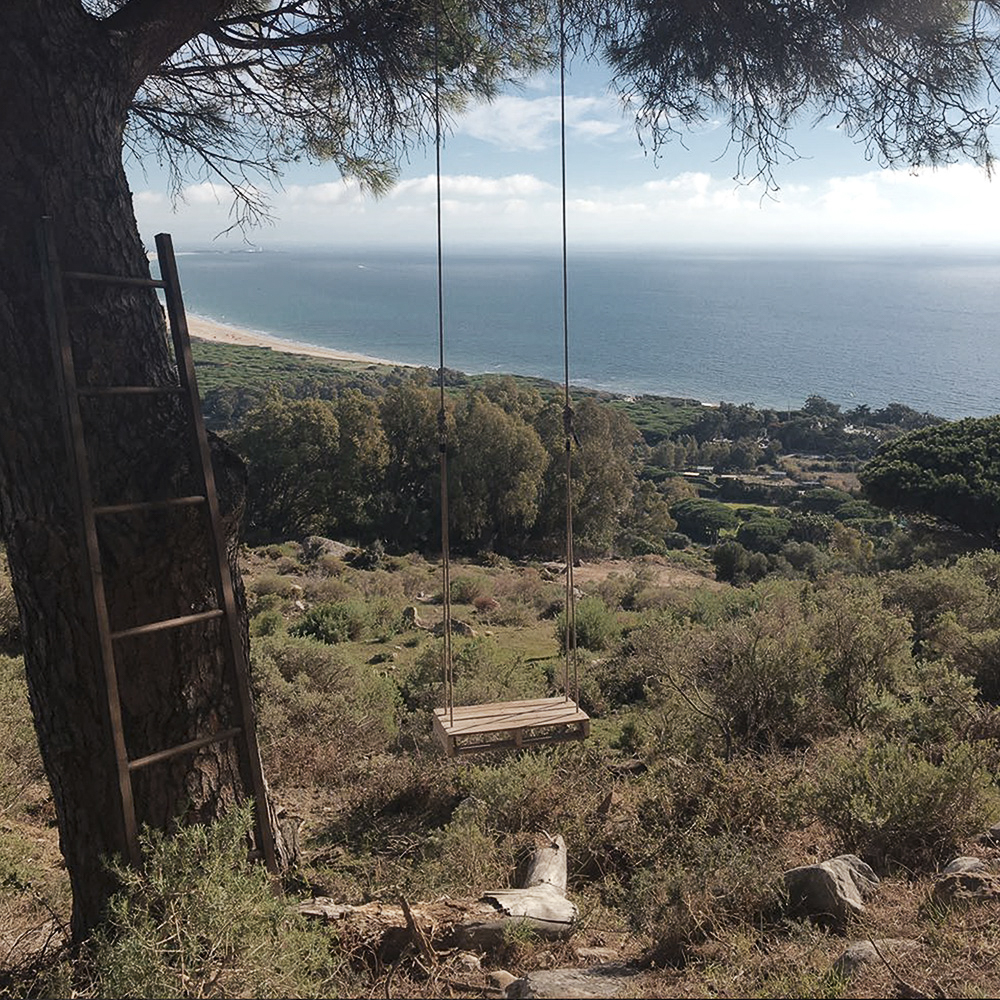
468, 962
500, 979
992, 835
411, 618
832, 890
607, 980
316, 545
859, 953
966, 887
958, 866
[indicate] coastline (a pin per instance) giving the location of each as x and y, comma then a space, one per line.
222, 333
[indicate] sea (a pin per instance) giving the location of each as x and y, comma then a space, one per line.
919, 327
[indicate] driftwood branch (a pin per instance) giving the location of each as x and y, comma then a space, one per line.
446, 924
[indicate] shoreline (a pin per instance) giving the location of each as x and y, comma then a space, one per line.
203, 328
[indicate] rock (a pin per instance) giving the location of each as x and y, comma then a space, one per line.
316, 545
411, 619
609, 980
859, 953
832, 890
960, 865
966, 887
500, 979
468, 962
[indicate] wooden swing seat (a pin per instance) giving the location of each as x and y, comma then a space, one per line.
510, 725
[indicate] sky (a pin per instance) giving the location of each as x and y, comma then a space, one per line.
501, 186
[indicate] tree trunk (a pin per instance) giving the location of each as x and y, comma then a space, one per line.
66, 83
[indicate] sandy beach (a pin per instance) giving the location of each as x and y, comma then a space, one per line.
222, 333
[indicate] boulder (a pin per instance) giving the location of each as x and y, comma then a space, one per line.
858, 953
833, 890
608, 980
411, 619
966, 887
315, 546
958, 866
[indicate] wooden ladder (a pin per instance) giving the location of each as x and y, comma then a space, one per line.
226, 612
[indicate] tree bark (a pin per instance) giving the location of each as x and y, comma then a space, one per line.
66, 82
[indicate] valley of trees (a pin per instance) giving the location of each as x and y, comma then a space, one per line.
651, 475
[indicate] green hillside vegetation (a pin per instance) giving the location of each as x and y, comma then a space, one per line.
771, 684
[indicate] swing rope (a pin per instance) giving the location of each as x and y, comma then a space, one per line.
449, 672
571, 667
572, 660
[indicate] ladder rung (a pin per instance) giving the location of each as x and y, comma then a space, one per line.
130, 390
201, 616
204, 741
125, 508
114, 279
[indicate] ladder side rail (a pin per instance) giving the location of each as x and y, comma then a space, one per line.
55, 308
233, 638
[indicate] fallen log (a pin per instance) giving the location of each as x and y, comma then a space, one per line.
447, 924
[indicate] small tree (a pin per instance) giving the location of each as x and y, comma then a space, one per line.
950, 472
290, 447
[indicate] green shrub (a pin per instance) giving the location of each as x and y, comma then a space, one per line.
891, 805
483, 672
676, 540
597, 627
316, 708
273, 583
465, 589
268, 622
200, 920
752, 671
338, 621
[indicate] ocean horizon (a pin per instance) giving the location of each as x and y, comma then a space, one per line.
743, 326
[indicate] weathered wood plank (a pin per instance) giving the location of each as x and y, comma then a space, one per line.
516, 724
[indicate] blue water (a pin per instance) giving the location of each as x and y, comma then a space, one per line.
920, 328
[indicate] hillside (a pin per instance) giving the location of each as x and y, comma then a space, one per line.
737, 733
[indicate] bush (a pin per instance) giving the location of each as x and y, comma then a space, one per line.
199, 920
676, 540
467, 589
269, 622
596, 626
891, 805
340, 621
316, 708
483, 672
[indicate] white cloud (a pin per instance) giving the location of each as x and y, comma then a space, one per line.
518, 123
206, 193
955, 205
331, 193
471, 185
